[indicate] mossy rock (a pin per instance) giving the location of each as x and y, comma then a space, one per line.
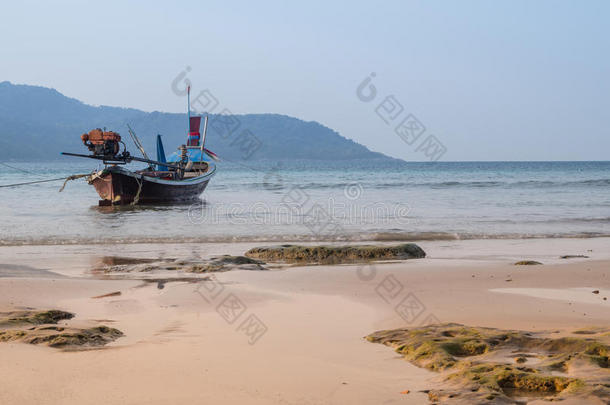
531, 382
335, 254
10, 335
466, 347
465, 353
228, 259
33, 317
433, 348
17, 327
60, 337
226, 263
505, 378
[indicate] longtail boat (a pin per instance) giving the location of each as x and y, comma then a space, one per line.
181, 177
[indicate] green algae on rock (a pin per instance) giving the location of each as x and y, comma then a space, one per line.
40, 327
335, 254
481, 361
55, 336
33, 317
226, 263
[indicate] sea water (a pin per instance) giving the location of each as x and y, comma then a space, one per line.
313, 200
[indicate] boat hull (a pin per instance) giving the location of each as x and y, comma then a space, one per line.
118, 186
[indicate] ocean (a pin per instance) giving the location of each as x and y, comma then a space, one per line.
326, 201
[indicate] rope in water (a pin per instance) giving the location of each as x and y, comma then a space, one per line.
76, 176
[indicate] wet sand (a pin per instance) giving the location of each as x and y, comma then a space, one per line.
182, 345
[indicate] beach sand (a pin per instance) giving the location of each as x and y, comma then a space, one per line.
182, 344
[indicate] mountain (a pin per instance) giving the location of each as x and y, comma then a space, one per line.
39, 123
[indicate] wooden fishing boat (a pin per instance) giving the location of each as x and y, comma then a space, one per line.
180, 178
117, 185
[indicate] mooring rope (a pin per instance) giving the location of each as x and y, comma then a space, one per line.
137, 197
73, 177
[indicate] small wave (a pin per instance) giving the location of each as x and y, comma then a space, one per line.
430, 184
441, 236
600, 220
587, 220
398, 236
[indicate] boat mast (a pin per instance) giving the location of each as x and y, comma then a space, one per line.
188, 112
205, 131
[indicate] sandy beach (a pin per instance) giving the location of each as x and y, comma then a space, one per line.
180, 345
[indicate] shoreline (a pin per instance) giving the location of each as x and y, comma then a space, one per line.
72, 259
371, 237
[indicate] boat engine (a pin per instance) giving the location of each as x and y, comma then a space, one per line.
102, 143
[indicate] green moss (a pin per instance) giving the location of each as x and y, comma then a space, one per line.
464, 347
508, 379
7, 336
463, 352
335, 254
33, 317
531, 382
431, 356
16, 327
62, 337
52, 316
435, 351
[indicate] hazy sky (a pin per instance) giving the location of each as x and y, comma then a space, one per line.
492, 80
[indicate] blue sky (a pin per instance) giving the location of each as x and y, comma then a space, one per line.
492, 80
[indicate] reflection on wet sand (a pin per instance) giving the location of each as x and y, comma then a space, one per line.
583, 295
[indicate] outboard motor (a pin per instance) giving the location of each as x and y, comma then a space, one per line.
102, 143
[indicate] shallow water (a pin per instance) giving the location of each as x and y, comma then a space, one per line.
321, 201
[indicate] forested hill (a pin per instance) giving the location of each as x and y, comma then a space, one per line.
39, 123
